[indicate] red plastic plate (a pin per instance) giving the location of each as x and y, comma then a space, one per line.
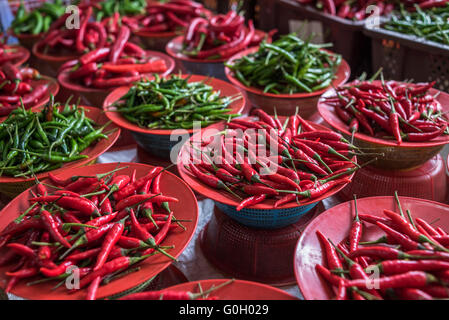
335, 224
186, 208
329, 115
226, 198
225, 88
342, 76
237, 290
94, 151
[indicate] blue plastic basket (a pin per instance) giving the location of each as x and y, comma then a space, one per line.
157, 145
266, 219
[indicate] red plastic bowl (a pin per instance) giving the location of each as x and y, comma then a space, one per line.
207, 67
28, 40
285, 104
186, 208
157, 141
155, 41
53, 89
96, 96
404, 156
237, 290
335, 224
25, 55
226, 198
13, 186
49, 64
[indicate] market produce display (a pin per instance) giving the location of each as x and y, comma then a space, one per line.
174, 103
17, 88
104, 224
288, 65
391, 110
431, 24
220, 36
120, 64
170, 16
304, 165
38, 20
411, 259
40, 141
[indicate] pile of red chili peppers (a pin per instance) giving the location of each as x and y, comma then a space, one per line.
102, 224
390, 110
17, 87
298, 163
8, 53
166, 17
120, 64
90, 34
220, 36
412, 259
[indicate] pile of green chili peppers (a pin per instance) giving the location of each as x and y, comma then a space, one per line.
124, 7
174, 103
432, 24
33, 142
38, 20
288, 65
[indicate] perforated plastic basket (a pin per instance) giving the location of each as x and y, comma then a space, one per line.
346, 36
266, 219
409, 57
261, 255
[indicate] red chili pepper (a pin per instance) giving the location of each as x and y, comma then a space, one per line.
56, 271
330, 277
390, 267
333, 261
355, 234
81, 32
52, 228
94, 56
110, 240
251, 201
110, 267
412, 279
83, 71
93, 287
132, 188
403, 240
21, 249
141, 198
82, 205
